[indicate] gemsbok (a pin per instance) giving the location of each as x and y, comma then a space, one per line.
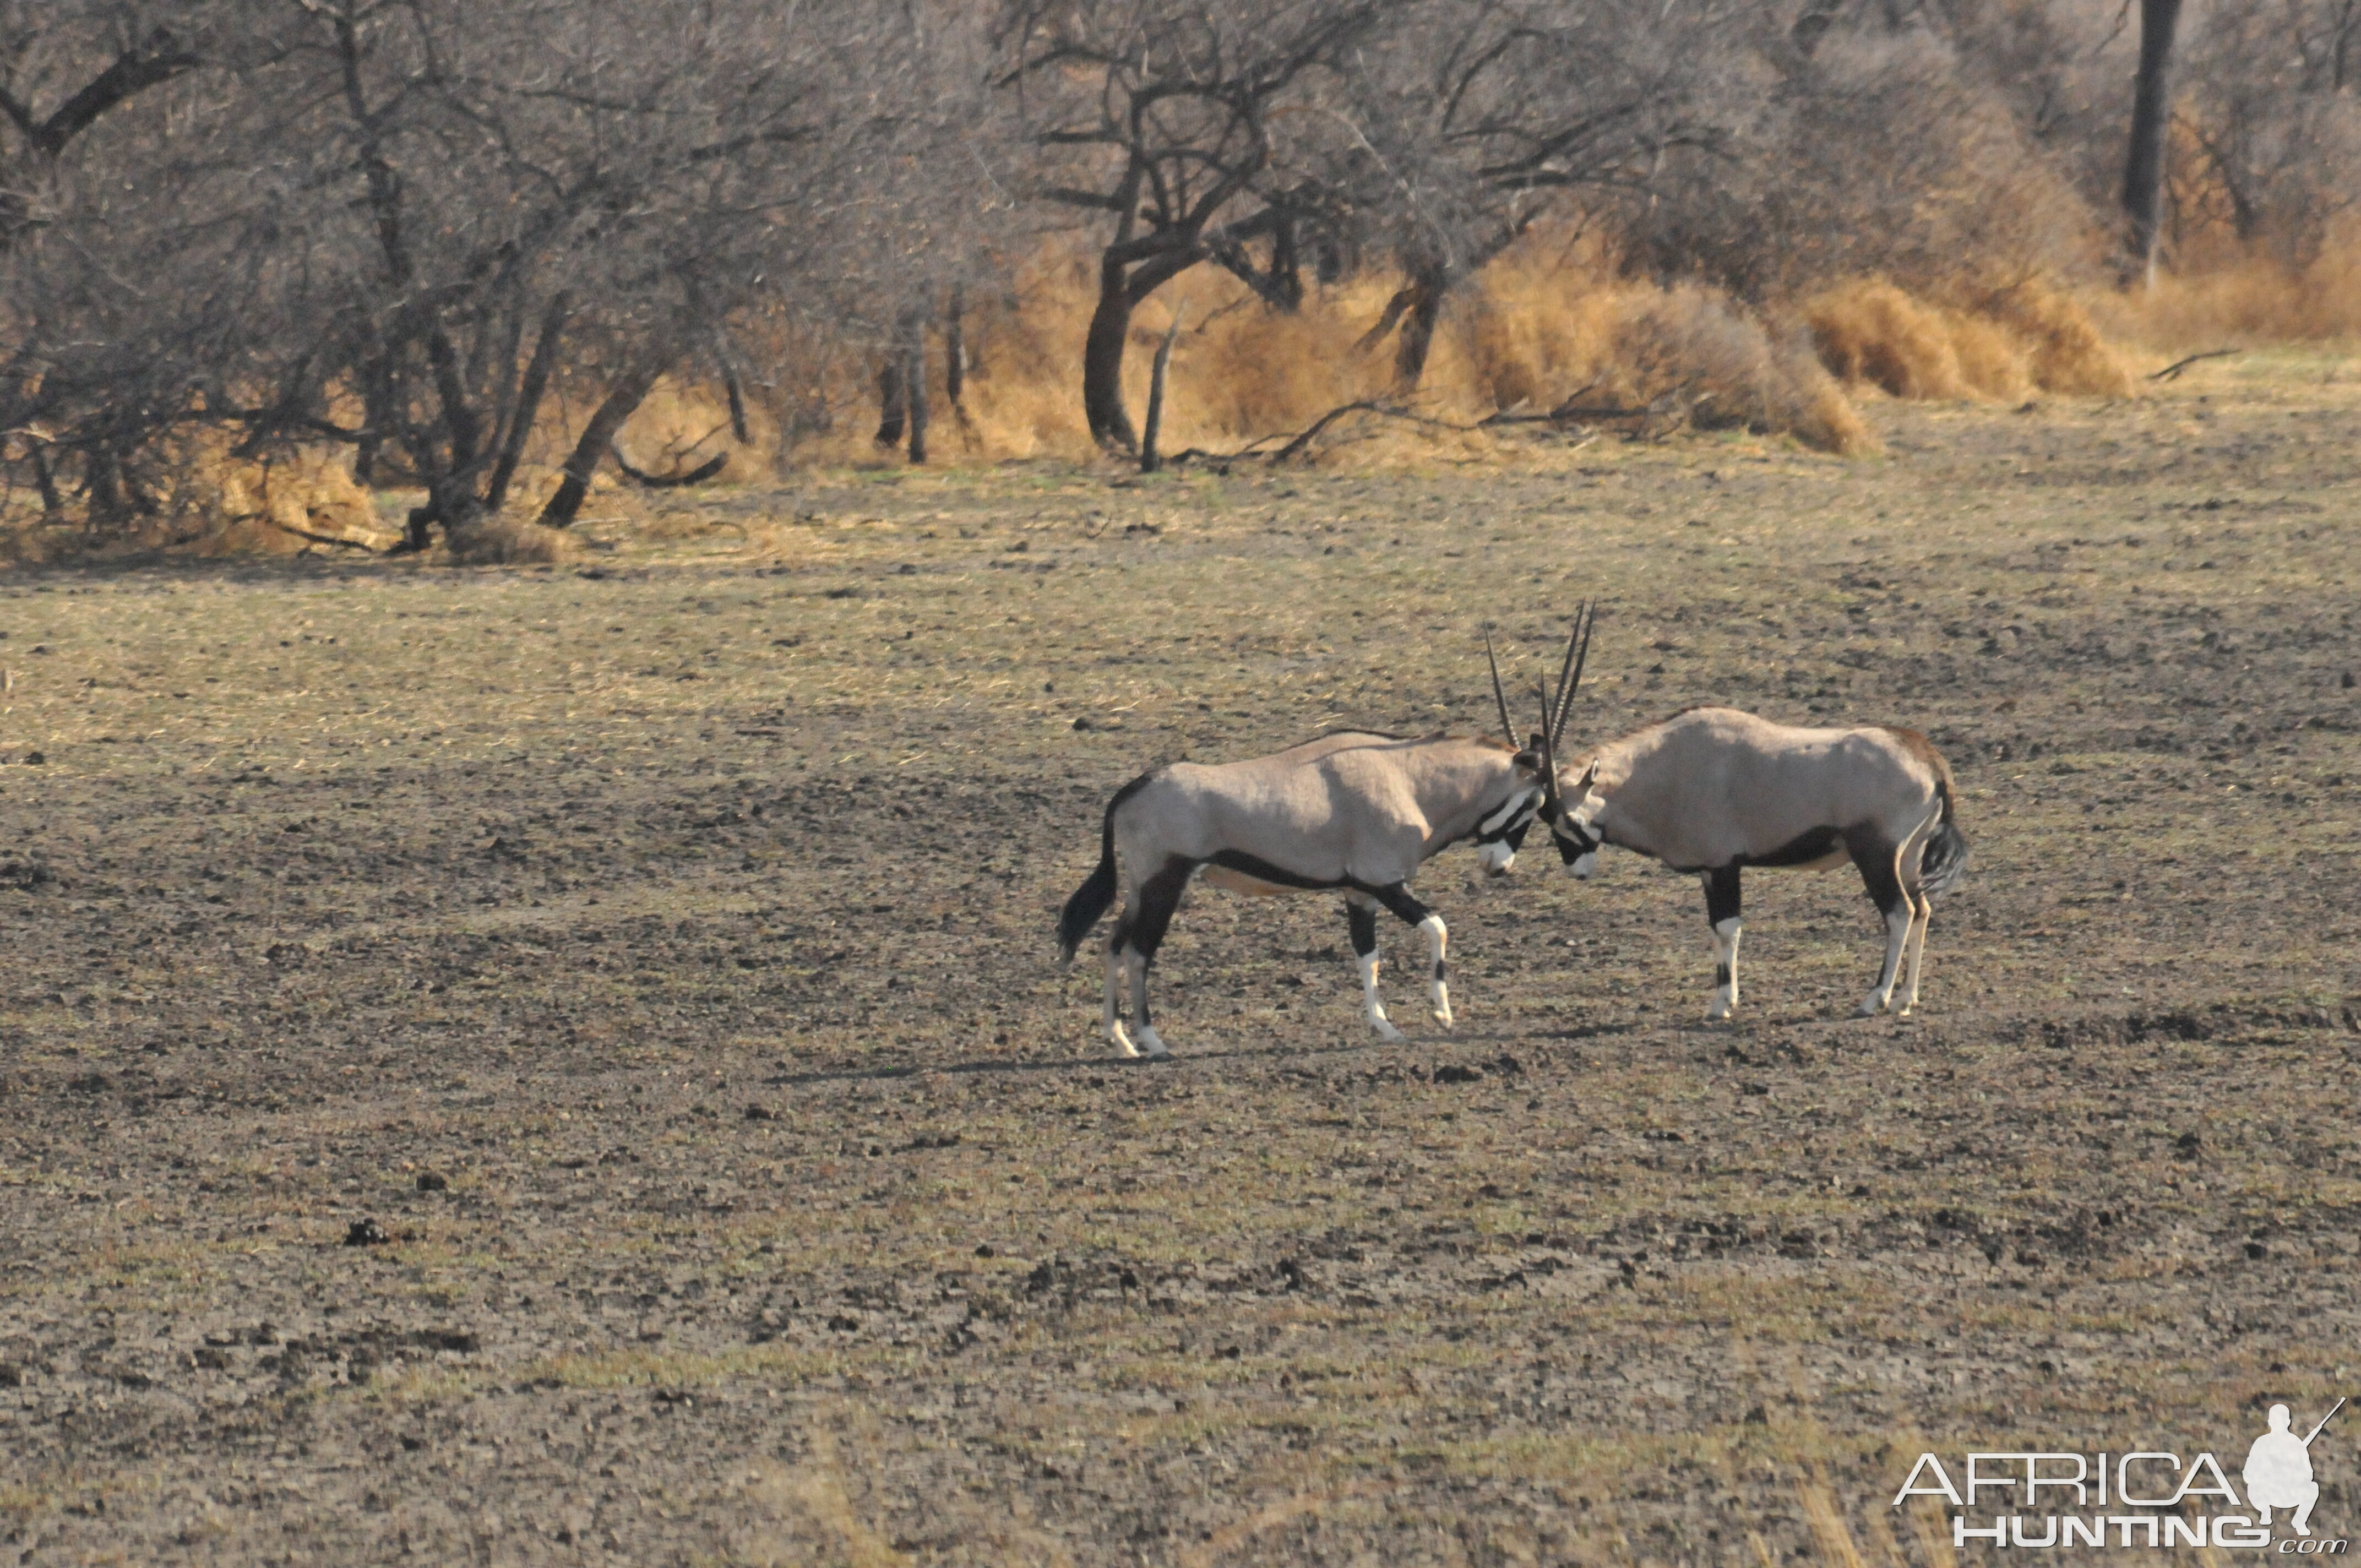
1355, 812
1715, 791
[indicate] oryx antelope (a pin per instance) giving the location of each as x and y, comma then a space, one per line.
1353, 812
1714, 791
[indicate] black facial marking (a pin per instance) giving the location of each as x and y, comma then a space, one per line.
1573, 839
1512, 831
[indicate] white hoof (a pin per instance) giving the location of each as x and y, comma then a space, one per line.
1156, 1048
1121, 1042
1442, 1015
1719, 1011
1384, 1030
1870, 1006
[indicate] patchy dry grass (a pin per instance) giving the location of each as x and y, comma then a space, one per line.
682, 913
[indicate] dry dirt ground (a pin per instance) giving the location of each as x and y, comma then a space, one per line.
656, 953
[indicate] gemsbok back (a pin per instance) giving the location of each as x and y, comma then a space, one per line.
1715, 791
1353, 812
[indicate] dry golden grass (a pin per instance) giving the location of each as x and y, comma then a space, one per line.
2241, 297
1552, 322
2030, 337
507, 541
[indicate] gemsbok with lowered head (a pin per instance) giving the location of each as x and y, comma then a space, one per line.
1355, 812
1715, 791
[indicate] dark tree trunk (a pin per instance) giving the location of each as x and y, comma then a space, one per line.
891, 410
103, 484
914, 387
1150, 460
53, 505
1420, 316
606, 422
2151, 115
376, 415
1286, 291
1102, 362
529, 393
955, 348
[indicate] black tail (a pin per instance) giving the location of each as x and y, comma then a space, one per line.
1097, 892
1944, 860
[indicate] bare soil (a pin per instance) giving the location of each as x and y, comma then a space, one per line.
553, 1066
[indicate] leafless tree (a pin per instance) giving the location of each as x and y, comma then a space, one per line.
1177, 119
2274, 112
1474, 119
405, 226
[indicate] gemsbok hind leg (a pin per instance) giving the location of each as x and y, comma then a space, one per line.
1721, 914
1361, 916
1924, 909
1397, 897
1880, 864
1116, 944
1159, 896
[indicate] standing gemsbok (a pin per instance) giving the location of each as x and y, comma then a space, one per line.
1714, 791
1353, 812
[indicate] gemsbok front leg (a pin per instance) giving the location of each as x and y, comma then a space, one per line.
1721, 913
1361, 916
1398, 898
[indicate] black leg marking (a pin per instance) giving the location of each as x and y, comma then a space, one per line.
1398, 900
1875, 859
1721, 974
1442, 970
1159, 897
1722, 895
1363, 922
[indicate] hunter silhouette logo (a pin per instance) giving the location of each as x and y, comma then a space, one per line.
2278, 1471
2147, 1498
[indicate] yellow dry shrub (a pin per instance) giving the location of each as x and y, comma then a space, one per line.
305, 497
507, 541
2228, 295
2069, 354
2028, 338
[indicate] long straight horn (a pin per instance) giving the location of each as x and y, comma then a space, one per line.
1548, 754
1570, 681
1499, 698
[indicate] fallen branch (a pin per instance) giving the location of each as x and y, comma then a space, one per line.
2172, 371
695, 476
321, 537
1295, 447
1565, 413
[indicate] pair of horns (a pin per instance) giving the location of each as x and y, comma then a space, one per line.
1558, 706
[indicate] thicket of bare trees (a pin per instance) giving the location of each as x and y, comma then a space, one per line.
413, 229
